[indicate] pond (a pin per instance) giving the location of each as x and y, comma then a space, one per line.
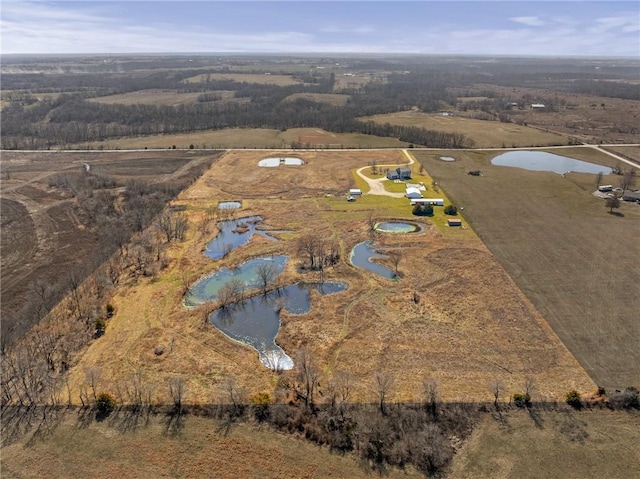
398, 227
256, 321
282, 160
447, 158
207, 288
233, 234
229, 205
542, 161
361, 256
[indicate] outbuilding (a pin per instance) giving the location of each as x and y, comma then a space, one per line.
428, 201
454, 222
631, 195
355, 192
413, 192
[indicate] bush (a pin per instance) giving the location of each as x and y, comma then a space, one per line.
602, 391
522, 400
573, 399
110, 310
627, 399
101, 326
450, 210
260, 405
105, 404
423, 210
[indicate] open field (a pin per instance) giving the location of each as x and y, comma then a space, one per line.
334, 99
199, 450
630, 152
149, 97
468, 325
46, 234
485, 134
264, 79
565, 444
576, 262
252, 138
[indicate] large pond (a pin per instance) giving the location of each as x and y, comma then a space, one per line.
233, 234
543, 161
207, 288
281, 160
397, 227
361, 256
256, 321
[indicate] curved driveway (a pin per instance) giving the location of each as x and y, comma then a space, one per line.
375, 185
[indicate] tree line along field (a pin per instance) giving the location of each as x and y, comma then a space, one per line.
85, 102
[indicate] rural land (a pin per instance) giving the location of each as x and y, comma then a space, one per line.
342, 266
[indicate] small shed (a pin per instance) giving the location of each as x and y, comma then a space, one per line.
428, 201
538, 106
631, 195
355, 192
454, 222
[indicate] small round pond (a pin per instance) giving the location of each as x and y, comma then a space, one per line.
280, 160
398, 227
543, 161
447, 158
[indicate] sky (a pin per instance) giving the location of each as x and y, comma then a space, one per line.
482, 27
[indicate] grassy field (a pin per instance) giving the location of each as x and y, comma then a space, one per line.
334, 99
251, 138
485, 134
263, 79
149, 97
201, 449
469, 325
576, 262
568, 445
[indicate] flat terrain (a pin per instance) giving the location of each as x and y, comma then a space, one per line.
149, 97
335, 99
577, 263
199, 450
454, 316
560, 444
252, 138
264, 79
485, 134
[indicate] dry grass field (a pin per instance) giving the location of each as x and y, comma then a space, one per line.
334, 99
468, 326
561, 444
577, 263
485, 134
263, 79
157, 97
199, 450
251, 138
630, 152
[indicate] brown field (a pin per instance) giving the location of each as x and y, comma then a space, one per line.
630, 152
470, 326
43, 234
200, 450
561, 444
577, 263
154, 97
252, 138
334, 99
485, 134
585, 117
264, 79
345, 82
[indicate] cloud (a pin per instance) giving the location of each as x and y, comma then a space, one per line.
362, 29
529, 21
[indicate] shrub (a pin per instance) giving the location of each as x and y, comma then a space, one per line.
522, 400
627, 399
423, 210
602, 391
105, 404
101, 326
110, 310
450, 210
260, 405
573, 399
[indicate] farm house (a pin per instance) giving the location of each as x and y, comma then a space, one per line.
403, 173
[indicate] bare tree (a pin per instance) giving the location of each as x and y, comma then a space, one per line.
307, 245
611, 203
431, 395
266, 273
307, 377
177, 390
384, 384
236, 394
395, 256
599, 179
496, 387
92, 378
628, 179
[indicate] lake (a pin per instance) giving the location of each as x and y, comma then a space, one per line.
543, 161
